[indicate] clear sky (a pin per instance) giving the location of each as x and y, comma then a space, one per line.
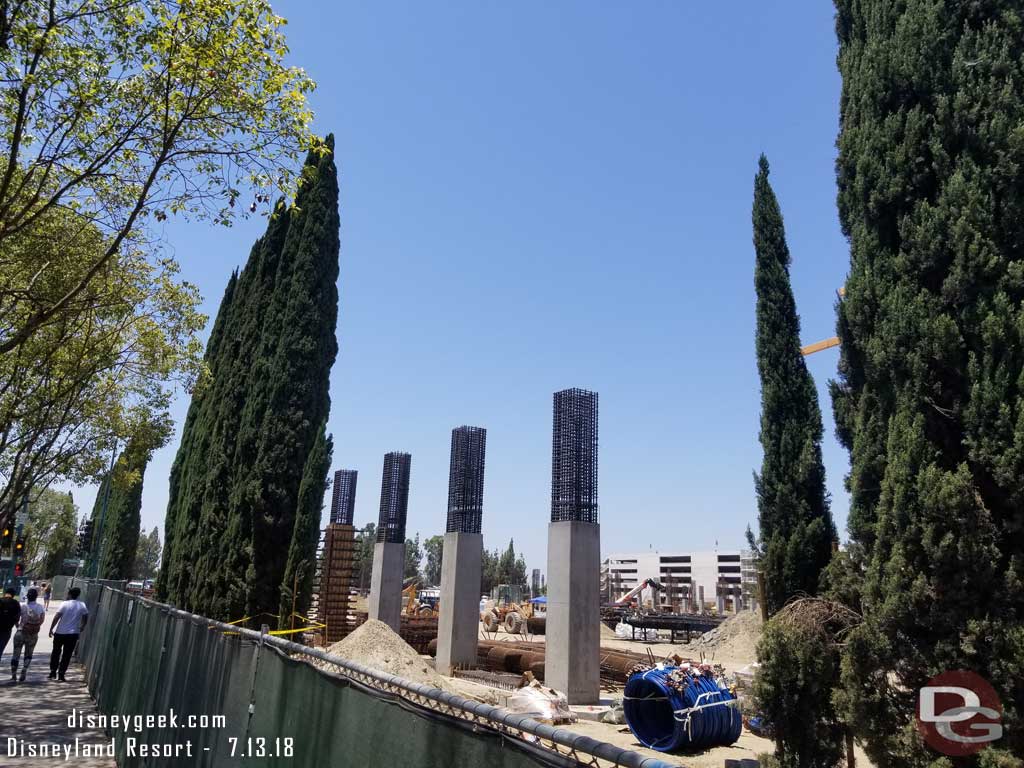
544, 195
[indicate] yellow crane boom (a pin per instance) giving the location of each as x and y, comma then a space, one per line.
817, 346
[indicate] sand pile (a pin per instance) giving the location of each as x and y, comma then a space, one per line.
375, 645
734, 640
607, 633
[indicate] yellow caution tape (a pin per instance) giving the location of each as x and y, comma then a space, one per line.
312, 625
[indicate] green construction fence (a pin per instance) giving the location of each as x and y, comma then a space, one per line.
147, 659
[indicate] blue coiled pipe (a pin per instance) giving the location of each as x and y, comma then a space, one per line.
701, 715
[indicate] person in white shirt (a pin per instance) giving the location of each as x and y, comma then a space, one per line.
67, 625
31, 621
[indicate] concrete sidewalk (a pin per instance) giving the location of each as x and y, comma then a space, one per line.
36, 711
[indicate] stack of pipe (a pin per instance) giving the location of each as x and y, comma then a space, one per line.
518, 657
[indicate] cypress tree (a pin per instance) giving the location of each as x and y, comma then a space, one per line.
282, 418
930, 398
94, 517
179, 524
209, 588
121, 529
298, 573
796, 525
236, 483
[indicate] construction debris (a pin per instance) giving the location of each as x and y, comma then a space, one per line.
545, 705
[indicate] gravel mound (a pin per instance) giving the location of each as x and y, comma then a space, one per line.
375, 645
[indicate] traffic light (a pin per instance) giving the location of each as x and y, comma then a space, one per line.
5, 540
17, 569
19, 546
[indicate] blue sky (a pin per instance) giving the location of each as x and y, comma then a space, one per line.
539, 196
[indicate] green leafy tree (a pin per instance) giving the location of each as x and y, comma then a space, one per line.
147, 555
50, 533
489, 577
94, 374
125, 112
413, 558
362, 563
434, 549
297, 583
796, 525
930, 397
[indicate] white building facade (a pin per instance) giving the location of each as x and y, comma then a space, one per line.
682, 575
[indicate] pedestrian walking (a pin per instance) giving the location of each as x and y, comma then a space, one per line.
47, 594
10, 612
32, 617
65, 630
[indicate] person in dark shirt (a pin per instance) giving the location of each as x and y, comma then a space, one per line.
10, 612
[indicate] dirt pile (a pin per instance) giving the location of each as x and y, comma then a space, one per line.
733, 641
375, 645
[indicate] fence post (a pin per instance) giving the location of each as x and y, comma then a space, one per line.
264, 629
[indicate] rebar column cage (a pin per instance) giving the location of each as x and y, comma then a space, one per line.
394, 498
574, 457
343, 502
466, 480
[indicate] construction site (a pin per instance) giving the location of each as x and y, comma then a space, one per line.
661, 668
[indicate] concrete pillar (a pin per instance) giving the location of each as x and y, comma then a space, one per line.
459, 620
700, 599
386, 583
572, 661
720, 595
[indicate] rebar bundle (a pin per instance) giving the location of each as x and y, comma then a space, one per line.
574, 457
343, 503
466, 480
394, 498
334, 588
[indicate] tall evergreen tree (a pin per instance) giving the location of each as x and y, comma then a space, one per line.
121, 530
236, 481
179, 523
796, 528
95, 517
297, 582
796, 525
212, 588
281, 420
930, 400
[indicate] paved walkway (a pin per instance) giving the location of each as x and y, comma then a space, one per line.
36, 711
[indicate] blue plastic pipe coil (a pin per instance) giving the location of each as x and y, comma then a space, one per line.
673, 708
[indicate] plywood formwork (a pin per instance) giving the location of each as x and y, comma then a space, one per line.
334, 599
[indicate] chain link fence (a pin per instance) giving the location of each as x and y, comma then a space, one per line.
239, 696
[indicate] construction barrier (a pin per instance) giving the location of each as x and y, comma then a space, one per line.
143, 658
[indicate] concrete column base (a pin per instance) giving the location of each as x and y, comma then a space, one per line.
459, 620
386, 583
572, 661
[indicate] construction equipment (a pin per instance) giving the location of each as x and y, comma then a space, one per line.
818, 346
506, 609
612, 613
636, 593
412, 605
